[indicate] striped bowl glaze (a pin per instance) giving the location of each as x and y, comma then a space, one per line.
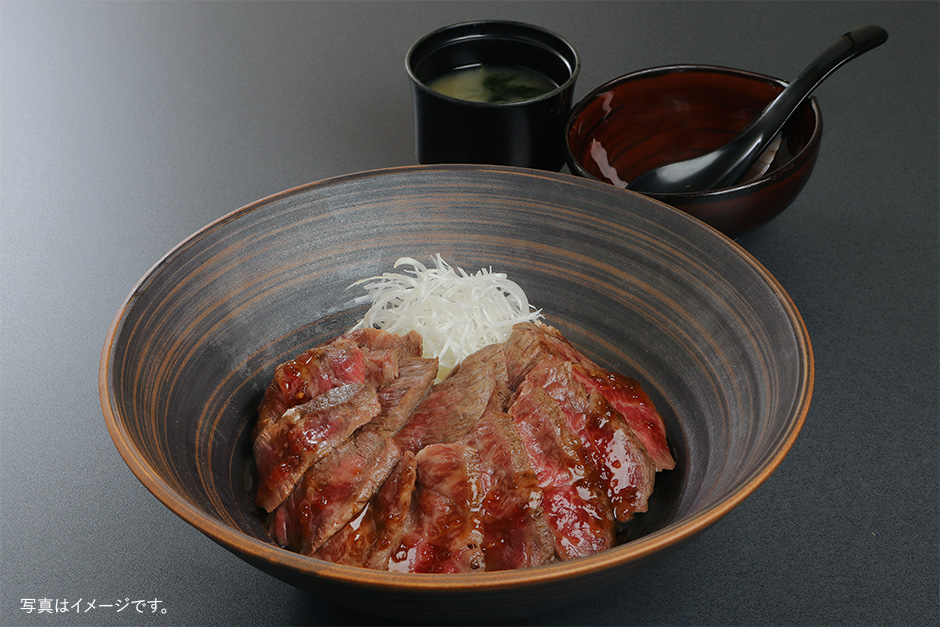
639, 286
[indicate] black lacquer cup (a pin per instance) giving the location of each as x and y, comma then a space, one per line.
527, 133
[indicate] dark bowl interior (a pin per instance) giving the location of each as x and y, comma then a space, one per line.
640, 287
662, 115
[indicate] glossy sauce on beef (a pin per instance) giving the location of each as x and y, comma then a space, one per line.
527, 453
515, 529
369, 538
627, 397
334, 490
443, 533
624, 468
308, 375
578, 513
453, 407
305, 434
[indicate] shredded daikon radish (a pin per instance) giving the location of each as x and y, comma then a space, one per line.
456, 313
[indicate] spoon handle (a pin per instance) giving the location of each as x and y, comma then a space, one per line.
844, 49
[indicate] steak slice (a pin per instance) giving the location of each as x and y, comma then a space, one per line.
443, 532
408, 345
350, 545
392, 504
304, 434
399, 398
625, 470
307, 376
365, 355
453, 406
627, 397
334, 491
576, 507
369, 539
515, 530
383, 352
381, 366
529, 342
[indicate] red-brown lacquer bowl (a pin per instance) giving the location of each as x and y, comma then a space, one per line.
662, 115
640, 287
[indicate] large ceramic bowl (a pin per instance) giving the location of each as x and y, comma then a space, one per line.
652, 117
640, 287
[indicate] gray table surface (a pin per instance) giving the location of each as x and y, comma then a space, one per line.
127, 126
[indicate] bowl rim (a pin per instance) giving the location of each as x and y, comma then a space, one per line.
256, 550
568, 84
765, 179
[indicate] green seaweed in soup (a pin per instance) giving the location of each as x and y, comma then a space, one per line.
492, 83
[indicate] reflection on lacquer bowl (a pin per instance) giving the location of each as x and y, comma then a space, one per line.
652, 117
640, 287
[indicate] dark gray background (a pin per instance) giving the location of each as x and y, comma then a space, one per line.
127, 126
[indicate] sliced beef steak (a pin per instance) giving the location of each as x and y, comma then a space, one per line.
443, 533
305, 434
334, 491
384, 351
529, 342
361, 356
308, 375
627, 397
399, 398
515, 530
369, 539
352, 543
392, 504
408, 345
526, 453
453, 406
625, 470
576, 507
381, 366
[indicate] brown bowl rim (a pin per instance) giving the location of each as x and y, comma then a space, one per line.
766, 179
257, 550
